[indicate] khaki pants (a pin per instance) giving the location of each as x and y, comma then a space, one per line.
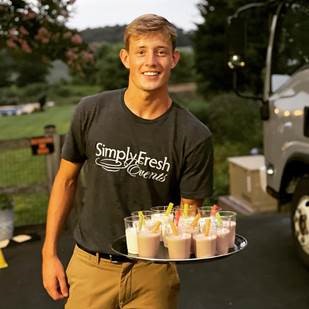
100, 284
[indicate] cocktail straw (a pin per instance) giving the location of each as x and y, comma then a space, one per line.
155, 228
173, 227
207, 226
169, 209
141, 220
195, 220
218, 219
185, 210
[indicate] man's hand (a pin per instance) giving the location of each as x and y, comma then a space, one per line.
54, 278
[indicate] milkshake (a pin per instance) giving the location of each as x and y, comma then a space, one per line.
223, 240
232, 233
230, 223
148, 243
179, 246
205, 246
131, 234
164, 219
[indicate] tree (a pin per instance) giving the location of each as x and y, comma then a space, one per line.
111, 73
38, 27
6, 65
210, 45
30, 69
184, 71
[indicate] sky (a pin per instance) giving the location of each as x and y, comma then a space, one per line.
99, 13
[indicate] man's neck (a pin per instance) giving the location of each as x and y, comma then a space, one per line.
147, 104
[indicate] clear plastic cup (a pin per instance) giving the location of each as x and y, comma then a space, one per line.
131, 225
159, 215
144, 212
179, 246
205, 246
223, 235
230, 224
185, 219
148, 242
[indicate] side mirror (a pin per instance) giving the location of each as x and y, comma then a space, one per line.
236, 38
237, 42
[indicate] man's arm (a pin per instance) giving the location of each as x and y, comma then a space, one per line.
60, 202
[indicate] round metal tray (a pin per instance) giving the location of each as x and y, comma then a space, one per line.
119, 246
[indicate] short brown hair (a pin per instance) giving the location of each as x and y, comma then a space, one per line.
150, 23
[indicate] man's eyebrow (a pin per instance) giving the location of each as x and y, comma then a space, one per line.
156, 47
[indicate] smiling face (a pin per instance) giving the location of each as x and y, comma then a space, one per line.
150, 58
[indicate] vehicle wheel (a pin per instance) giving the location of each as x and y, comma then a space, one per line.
300, 219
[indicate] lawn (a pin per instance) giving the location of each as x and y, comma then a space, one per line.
33, 125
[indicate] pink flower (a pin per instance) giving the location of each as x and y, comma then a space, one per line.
71, 55
10, 43
88, 57
43, 35
29, 15
23, 30
76, 39
25, 47
13, 32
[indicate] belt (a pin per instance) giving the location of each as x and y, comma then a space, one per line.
112, 257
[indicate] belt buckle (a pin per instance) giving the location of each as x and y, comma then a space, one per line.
113, 261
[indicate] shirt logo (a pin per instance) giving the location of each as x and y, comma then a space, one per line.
136, 164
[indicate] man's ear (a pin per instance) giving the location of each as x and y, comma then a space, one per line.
176, 57
124, 57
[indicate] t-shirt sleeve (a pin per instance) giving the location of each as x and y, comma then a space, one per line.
197, 175
74, 144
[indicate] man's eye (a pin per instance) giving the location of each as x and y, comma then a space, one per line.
162, 53
141, 52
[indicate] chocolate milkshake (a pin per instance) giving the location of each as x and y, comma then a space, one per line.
223, 240
148, 243
205, 246
179, 245
232, 233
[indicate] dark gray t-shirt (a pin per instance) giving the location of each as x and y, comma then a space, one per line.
132, 163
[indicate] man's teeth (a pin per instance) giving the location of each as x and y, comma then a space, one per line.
151, 73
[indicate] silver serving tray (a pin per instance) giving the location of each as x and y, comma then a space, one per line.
119, 246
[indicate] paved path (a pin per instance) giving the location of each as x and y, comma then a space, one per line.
267, 274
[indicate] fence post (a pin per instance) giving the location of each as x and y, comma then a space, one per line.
53, 159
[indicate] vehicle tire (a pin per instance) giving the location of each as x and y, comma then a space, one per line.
300, 219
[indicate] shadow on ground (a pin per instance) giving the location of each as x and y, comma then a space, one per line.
267, 274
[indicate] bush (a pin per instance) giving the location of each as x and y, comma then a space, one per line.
236, 127
61, 90
5, 201
33, 91
233, 119
110, 72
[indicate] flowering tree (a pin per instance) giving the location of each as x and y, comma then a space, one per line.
38, 27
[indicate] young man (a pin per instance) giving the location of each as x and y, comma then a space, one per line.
139, 149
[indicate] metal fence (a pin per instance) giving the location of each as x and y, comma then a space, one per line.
27, 178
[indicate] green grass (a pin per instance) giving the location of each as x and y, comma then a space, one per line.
30, 208
33, 125
20, 168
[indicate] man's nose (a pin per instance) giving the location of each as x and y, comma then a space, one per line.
151, 59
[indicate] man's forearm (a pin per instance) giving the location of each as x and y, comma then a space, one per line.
60, 203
